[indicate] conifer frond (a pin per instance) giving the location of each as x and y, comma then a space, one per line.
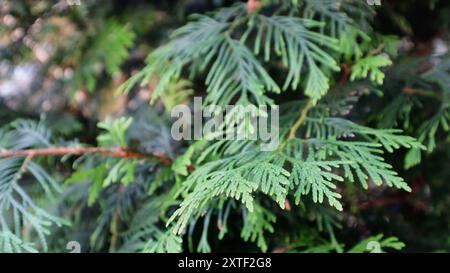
310, 170
366, 162
328, 10
371, 65
108, 50
112, 45
272, 180
417, 89
331, 128
315, 177
146, 235
236, 72
17, 208
136, 187
10, 243
427, 135
188, 44
165, 243
25, 134
398, 112
293, 40
219, 183
256, 224
108, 170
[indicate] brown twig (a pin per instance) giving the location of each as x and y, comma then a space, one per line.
425, 93
376, 51
301, 119
61, 151
345, 75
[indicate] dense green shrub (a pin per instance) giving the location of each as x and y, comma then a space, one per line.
86, 152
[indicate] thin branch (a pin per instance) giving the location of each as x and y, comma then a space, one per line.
376, 51
115, 225
23, 168
346, 75
421, 92
301, 119
61, 151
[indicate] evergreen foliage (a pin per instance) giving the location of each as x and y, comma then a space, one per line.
348, 95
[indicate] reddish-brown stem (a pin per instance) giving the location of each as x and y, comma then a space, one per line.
345, 75
61, 151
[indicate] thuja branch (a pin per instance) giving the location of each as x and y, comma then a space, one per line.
60, 151
118, 152
301, 119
